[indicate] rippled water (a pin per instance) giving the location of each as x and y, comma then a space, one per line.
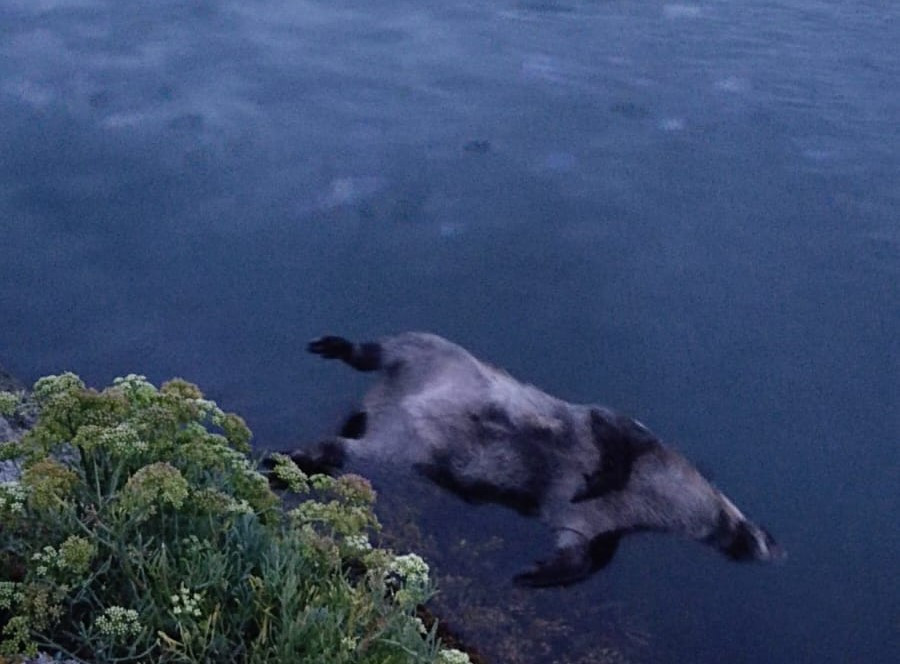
685, 210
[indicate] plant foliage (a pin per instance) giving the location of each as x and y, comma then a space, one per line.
139, 530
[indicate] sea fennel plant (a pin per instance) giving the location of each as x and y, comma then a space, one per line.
139, 530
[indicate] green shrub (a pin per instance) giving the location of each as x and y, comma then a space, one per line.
139, 530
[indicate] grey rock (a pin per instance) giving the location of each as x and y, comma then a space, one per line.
9, 471
12, 428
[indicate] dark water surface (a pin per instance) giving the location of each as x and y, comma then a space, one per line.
687, 211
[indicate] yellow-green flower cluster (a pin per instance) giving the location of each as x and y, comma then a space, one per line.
349, 643
350, 514
73, 558
47, 559
120, 440
10, 594
254, 488
331, 516
135, 388
186, 603
43, 603
240, 506
312, 511
452, 656
8, 403
181, 389
236, 431
413, 572
207, 408
12, 498
355, 489
53, 388
17, 638
213, 501
288, 472
358, 543
411, 568
76, 554
157, 483
210, 451
115, 479
118, 623
49, 482
233, 426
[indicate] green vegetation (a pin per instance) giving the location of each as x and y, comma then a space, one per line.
139, 530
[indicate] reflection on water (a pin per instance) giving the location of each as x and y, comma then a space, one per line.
685, 210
